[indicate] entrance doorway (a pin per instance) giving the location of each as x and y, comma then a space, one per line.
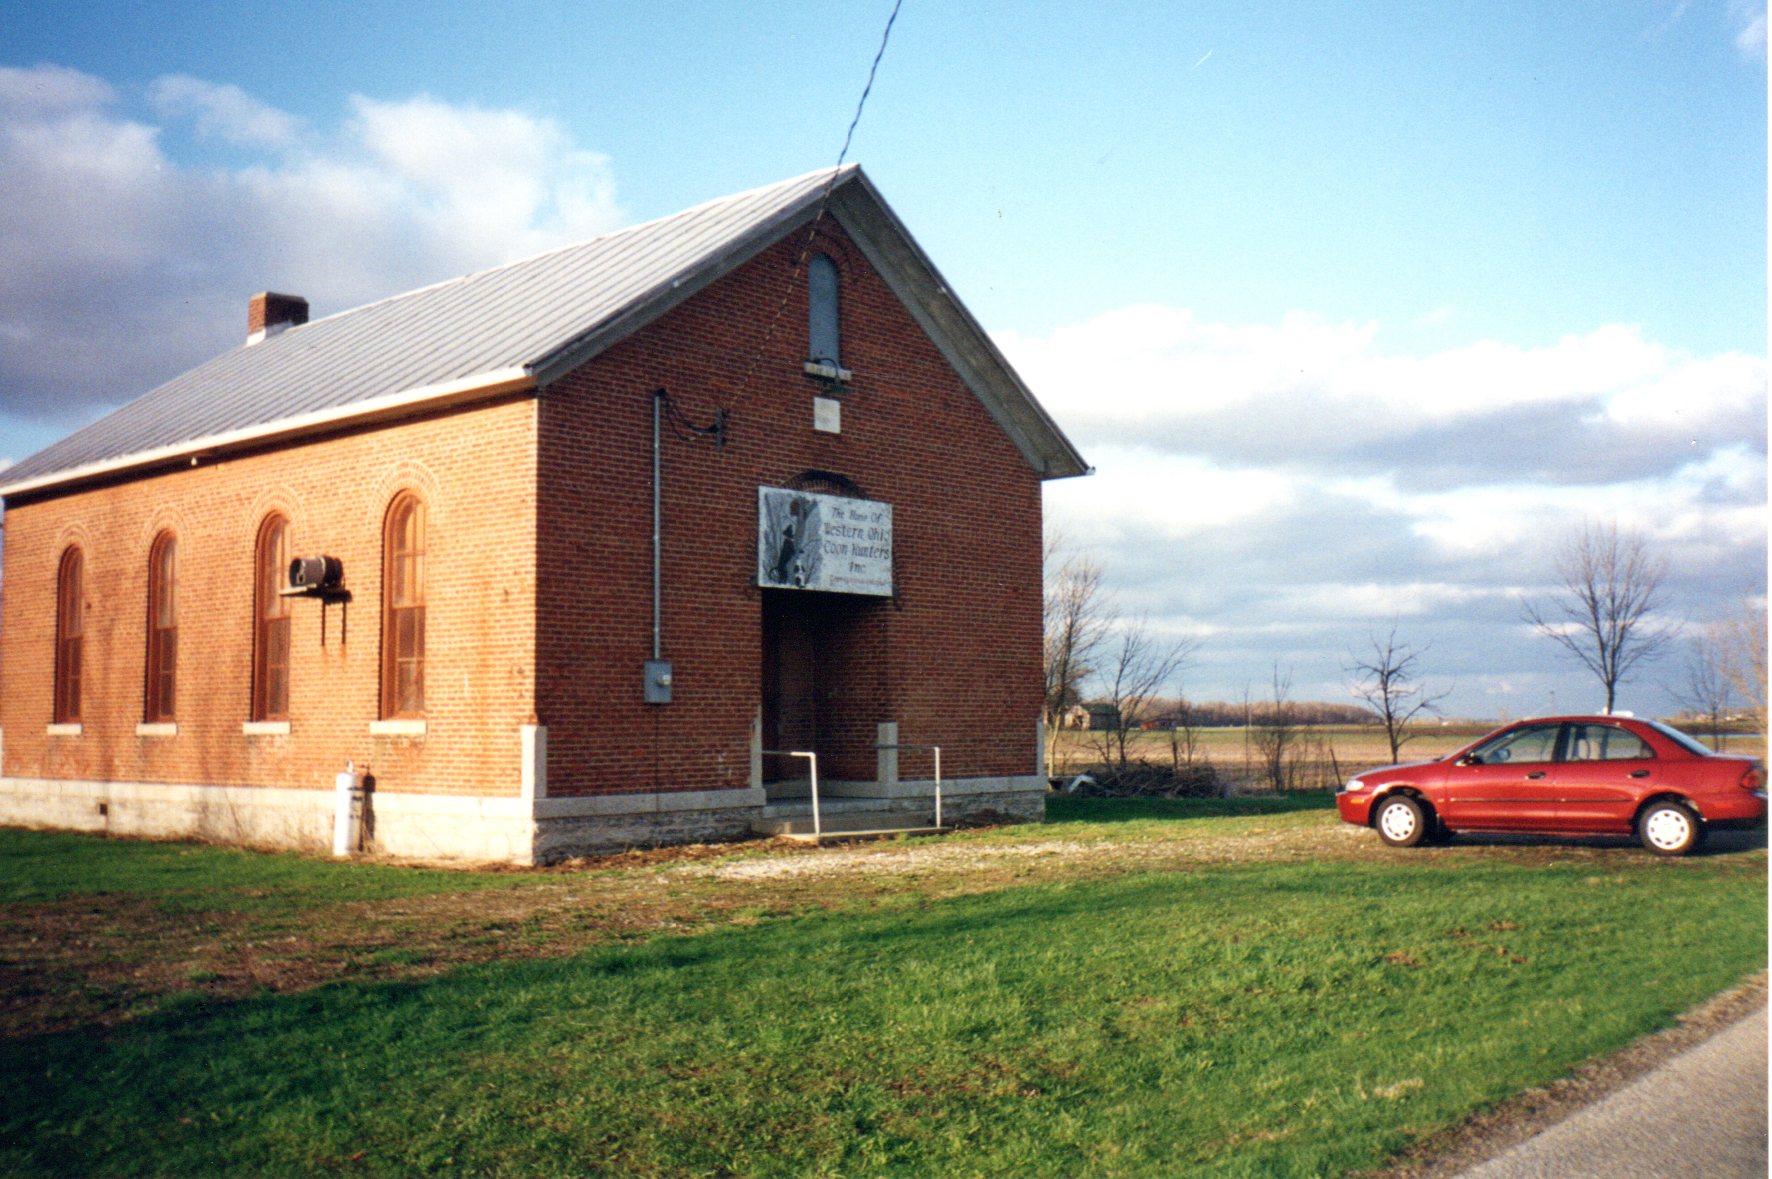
809, 687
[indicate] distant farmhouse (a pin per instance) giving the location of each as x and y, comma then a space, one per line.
1097, 716
556, 553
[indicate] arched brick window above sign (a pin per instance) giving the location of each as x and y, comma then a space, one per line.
826, 483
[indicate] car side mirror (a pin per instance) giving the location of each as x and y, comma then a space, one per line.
1470, 759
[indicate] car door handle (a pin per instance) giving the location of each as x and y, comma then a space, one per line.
1639, 773
1536, 774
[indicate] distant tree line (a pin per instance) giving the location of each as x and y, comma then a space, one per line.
1231, 714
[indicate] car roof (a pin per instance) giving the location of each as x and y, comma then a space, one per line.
1580, 717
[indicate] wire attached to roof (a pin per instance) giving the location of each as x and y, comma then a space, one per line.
824, 201
869, 88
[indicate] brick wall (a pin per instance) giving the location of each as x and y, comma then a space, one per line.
954, 658
475, 470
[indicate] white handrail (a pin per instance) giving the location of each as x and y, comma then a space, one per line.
817, 825
937, 749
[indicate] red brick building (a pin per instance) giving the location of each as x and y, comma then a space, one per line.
605, 526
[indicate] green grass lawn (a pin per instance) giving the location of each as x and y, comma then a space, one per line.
1288, 1015
50, 865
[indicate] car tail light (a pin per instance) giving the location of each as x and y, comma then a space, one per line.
1754, 778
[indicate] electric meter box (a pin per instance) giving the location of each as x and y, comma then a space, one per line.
658, 681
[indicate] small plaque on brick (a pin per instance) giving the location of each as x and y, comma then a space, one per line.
827, 415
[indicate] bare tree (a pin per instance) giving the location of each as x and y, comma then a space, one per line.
1136, 668
1736, 648
1389, 683
1604, 613
1707, 693
1184, 734
1278, 731
1076, 620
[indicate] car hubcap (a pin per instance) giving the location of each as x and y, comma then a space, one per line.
1668, 829
1398, 822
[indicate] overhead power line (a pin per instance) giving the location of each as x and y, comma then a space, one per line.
824, 201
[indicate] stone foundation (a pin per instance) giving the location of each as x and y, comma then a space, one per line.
469, 828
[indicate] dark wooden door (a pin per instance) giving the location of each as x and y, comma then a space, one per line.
792, 702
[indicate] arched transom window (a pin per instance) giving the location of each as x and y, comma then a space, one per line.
70, 627
270, 614
162, 678
403, 609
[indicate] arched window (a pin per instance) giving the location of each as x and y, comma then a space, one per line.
824, 328
162, 685
403, 609
270, 623
70, 626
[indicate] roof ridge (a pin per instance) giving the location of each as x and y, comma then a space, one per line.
728, 199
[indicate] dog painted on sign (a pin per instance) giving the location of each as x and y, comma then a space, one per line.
796, 542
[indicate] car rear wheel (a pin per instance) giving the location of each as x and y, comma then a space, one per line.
1670, 829
1401, 821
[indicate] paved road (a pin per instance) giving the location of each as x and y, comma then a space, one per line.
1701, 1114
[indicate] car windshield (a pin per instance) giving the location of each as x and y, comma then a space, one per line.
1689, 744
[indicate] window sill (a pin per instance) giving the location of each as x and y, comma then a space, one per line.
827, 372
265, 728
68, 730
397, 728
157, 729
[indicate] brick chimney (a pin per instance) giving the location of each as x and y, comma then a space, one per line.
268, 313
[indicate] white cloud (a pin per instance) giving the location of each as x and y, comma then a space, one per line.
1751, 37
48, 88
1588, 408
1339, 601
121, 265
1718, 500
1156, 363
1690, 393
471, 169
1140, 494
1159, 362
227, 113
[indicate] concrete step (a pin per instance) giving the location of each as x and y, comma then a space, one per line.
794, 808
893, 832
847, 824
828, 836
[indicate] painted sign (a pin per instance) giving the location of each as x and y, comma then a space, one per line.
823, 542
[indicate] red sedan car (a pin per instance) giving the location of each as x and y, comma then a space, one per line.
1568, 775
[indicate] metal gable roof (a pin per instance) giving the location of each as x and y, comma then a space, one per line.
513, 327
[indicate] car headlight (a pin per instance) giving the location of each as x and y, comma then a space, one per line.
1352, 785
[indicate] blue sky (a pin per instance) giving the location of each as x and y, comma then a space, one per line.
1357, 308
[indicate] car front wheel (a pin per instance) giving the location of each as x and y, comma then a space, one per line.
1401, 821
1670, 829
